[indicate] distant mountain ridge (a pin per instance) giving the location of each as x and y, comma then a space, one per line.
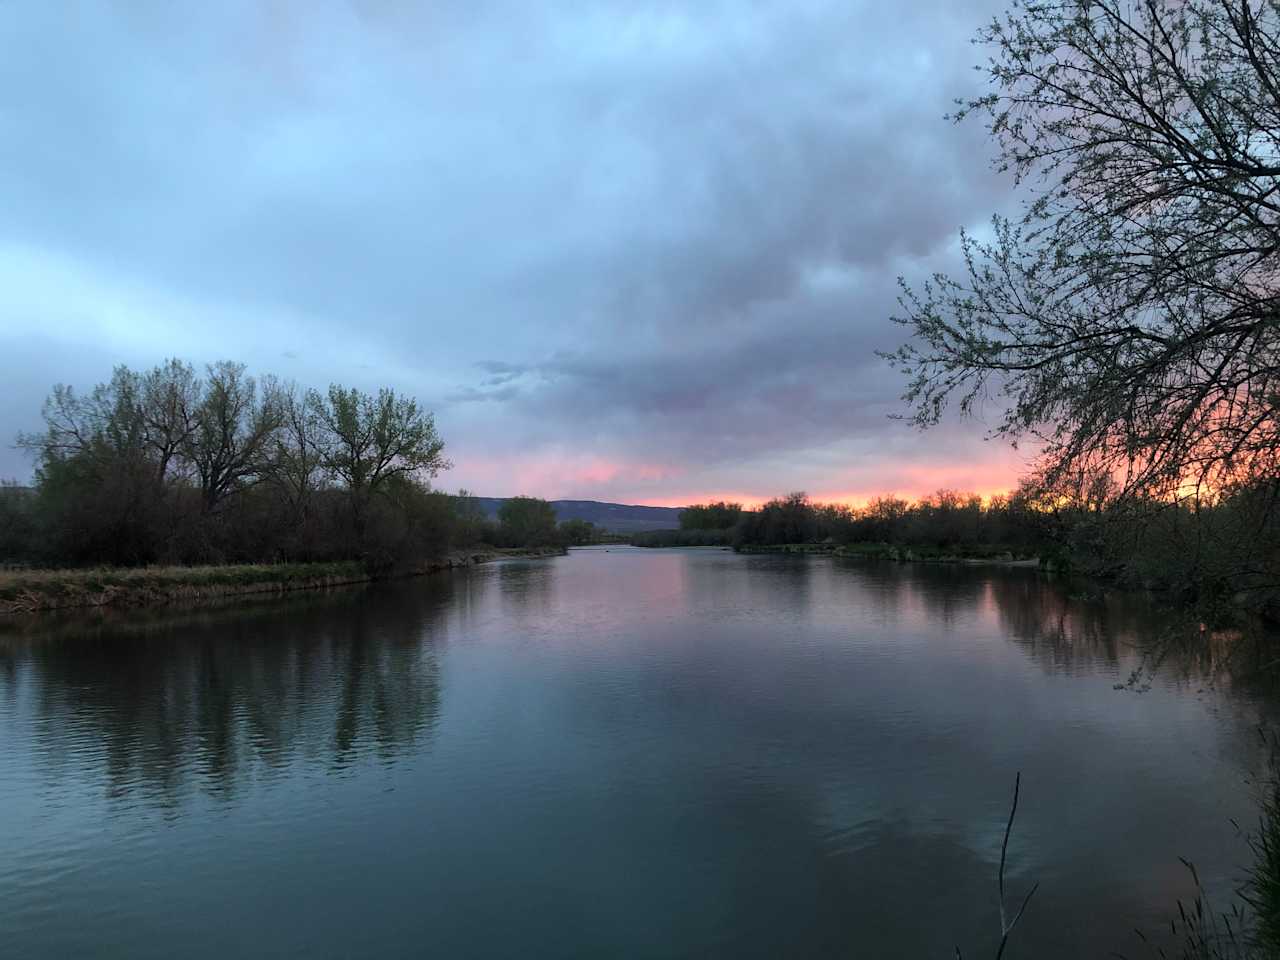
614, 517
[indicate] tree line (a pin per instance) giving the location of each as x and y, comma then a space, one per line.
1219, 554
945, 519
179, 466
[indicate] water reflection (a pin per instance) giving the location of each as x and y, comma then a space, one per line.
1070, 626
640, 753
210, 698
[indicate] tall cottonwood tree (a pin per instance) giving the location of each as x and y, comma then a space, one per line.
98, 474
134, 417
295, 463
100, 427
367, 441
233, 426
1130, 319
171, 398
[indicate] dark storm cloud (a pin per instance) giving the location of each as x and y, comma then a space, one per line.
659, 242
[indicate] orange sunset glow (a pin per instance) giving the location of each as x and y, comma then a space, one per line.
562, 475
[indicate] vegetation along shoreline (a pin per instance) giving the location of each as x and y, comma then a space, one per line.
39, 591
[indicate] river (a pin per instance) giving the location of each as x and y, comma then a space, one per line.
621, 752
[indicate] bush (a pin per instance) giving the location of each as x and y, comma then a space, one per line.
683, 538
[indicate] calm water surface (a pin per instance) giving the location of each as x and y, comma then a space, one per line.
615, 753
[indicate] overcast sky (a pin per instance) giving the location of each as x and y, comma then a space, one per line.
628, 252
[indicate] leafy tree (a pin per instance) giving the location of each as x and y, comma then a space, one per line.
684, 538
97, 480
718, 515
166, 466
527, 522
233, 427
789, 519
471, 521
100, 427
368, 440
407, 523
18, 529
95, 507
578, 533
1129, 317
170, 396
294, 463
882, 518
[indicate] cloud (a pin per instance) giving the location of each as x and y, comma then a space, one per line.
662, 238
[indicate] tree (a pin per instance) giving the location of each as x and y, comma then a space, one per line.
527, 522
97, 478
232, 429
883, 518
471, 522
578, 533
295, 459
18, 529
789, 519
165, 466
171, 397
99, 428
710, 516
1131, 317
366, 441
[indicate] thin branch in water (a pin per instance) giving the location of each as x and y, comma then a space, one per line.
1006, 927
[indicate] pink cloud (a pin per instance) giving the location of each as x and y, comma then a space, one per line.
560, 474
555, 475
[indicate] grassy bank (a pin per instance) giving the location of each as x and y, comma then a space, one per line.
33, 591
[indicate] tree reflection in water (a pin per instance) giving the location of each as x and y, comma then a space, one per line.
211, 698
1071, 626
172, 700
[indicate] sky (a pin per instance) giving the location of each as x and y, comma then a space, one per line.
632, 252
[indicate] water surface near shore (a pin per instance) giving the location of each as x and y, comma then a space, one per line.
647, 753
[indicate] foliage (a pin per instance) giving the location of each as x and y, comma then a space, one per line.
18, 528
578, 533
367, 441
683, 538
229, 432
946, 519
472, 524
526, 522
170, 467
1129, 317
1249, 928
718, 515
1223, 556
791, 519
1262, 885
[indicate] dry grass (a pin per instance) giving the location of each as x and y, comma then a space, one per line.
28, 591
32, 591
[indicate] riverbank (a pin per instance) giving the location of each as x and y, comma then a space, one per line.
999, 555
35, 591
